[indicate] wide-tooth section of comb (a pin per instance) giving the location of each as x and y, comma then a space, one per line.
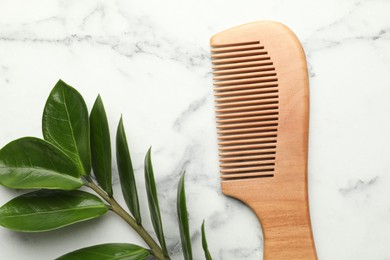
247, 109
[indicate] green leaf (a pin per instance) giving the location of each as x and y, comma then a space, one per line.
46, 210
204, 244
101, 146
30, 163
126, 173
65, 124
108, 252
183, 220
154, 208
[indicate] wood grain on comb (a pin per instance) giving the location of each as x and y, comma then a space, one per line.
247, 109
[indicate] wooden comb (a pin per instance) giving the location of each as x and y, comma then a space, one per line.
262, 106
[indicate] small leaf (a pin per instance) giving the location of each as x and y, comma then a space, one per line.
101, 146
65, 124
46, 210
30, 163
204, 244
108, 252
126, 173
154, 208
183, 220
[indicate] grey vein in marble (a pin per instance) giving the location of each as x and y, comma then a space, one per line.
192, 108
359, 186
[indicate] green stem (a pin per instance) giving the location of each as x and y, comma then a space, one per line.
115, 207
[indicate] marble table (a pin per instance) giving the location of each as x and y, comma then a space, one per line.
150, 61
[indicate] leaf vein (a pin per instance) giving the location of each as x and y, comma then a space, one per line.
71, 128
47, 212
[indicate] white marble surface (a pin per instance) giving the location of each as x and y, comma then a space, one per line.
150, 61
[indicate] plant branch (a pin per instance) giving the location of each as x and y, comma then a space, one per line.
116, 208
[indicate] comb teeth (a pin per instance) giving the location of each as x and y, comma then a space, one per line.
247, 109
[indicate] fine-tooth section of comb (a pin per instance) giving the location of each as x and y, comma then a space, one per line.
247, 109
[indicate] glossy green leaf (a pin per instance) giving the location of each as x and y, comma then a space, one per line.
30, 163
183, 220
108, 252
154, 207
65, 124
204, 244
46, 210
126, 172
101, 146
